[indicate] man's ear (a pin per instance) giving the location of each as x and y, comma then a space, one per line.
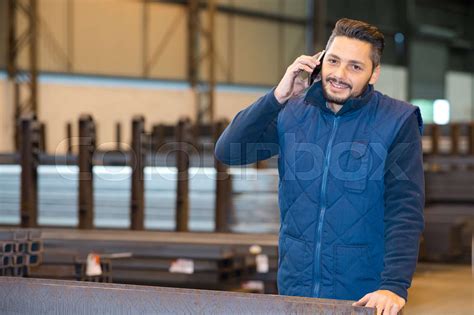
375, 75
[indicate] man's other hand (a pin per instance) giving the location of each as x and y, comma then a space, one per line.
386, 302
292, 84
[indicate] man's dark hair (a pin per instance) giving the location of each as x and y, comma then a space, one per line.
362, 31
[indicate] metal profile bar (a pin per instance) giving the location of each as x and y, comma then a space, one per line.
193, 41
69, 137
43, 147
33, 29
137, 163
145, 33
6, 247
5, 260
435, 136
223, 187
33, 234
29, 174
18, 260
17, 42
182, 180
13, 235
87, 139
101, 298
470, 138
211, 46
158, 137
455, 137
118, 136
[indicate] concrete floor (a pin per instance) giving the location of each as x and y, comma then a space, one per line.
441, 289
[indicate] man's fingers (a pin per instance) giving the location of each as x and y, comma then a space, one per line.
307, 60
394, 309
386, 307
362, 301
381, 307
371, 303
300, 67
379, 310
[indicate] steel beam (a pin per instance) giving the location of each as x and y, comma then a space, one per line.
204, 89
69, 138
137, 163
23, 79
471, 138
38, 296
30, 135
87, 144
182, 180
223, 201
316, 26
455, 137
435, 135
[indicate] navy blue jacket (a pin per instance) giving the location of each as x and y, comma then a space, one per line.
351, 189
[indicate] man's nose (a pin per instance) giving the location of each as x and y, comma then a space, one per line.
340, 72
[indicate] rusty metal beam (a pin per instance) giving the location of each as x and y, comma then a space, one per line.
69, 137
35, 296
223, 201
137, 163
87, 144
118, 136
182, 180
470, 138
435, 136
455, 138
30, 141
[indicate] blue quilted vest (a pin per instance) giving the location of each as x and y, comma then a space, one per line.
331, 192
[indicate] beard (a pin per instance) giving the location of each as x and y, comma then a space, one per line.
340, 100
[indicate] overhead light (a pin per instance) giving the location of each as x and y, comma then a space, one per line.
441, 112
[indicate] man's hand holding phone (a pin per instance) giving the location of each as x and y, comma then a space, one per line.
292, 84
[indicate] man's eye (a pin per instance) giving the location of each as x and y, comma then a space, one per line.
356, 67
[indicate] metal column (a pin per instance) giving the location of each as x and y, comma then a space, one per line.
24, 80
30, 139
316, 26
204, 89
182, 164
87, 144
137, 163
223, 201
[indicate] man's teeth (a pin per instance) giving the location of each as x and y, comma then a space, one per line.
340, 86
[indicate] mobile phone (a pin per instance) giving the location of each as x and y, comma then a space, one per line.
314, 75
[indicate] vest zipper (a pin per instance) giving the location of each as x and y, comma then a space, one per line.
317, 260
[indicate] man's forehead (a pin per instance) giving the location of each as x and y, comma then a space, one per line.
350, 49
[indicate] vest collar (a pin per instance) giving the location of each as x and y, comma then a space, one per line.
314, 95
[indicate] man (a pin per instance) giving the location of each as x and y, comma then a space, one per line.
351, 191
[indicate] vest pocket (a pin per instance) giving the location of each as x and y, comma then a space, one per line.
353, 275
294, 272
358, 164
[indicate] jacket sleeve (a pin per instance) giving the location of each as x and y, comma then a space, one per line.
404, 201
252, 135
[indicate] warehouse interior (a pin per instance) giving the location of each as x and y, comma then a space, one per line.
109, 115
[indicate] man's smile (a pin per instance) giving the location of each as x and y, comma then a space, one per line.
338, 85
